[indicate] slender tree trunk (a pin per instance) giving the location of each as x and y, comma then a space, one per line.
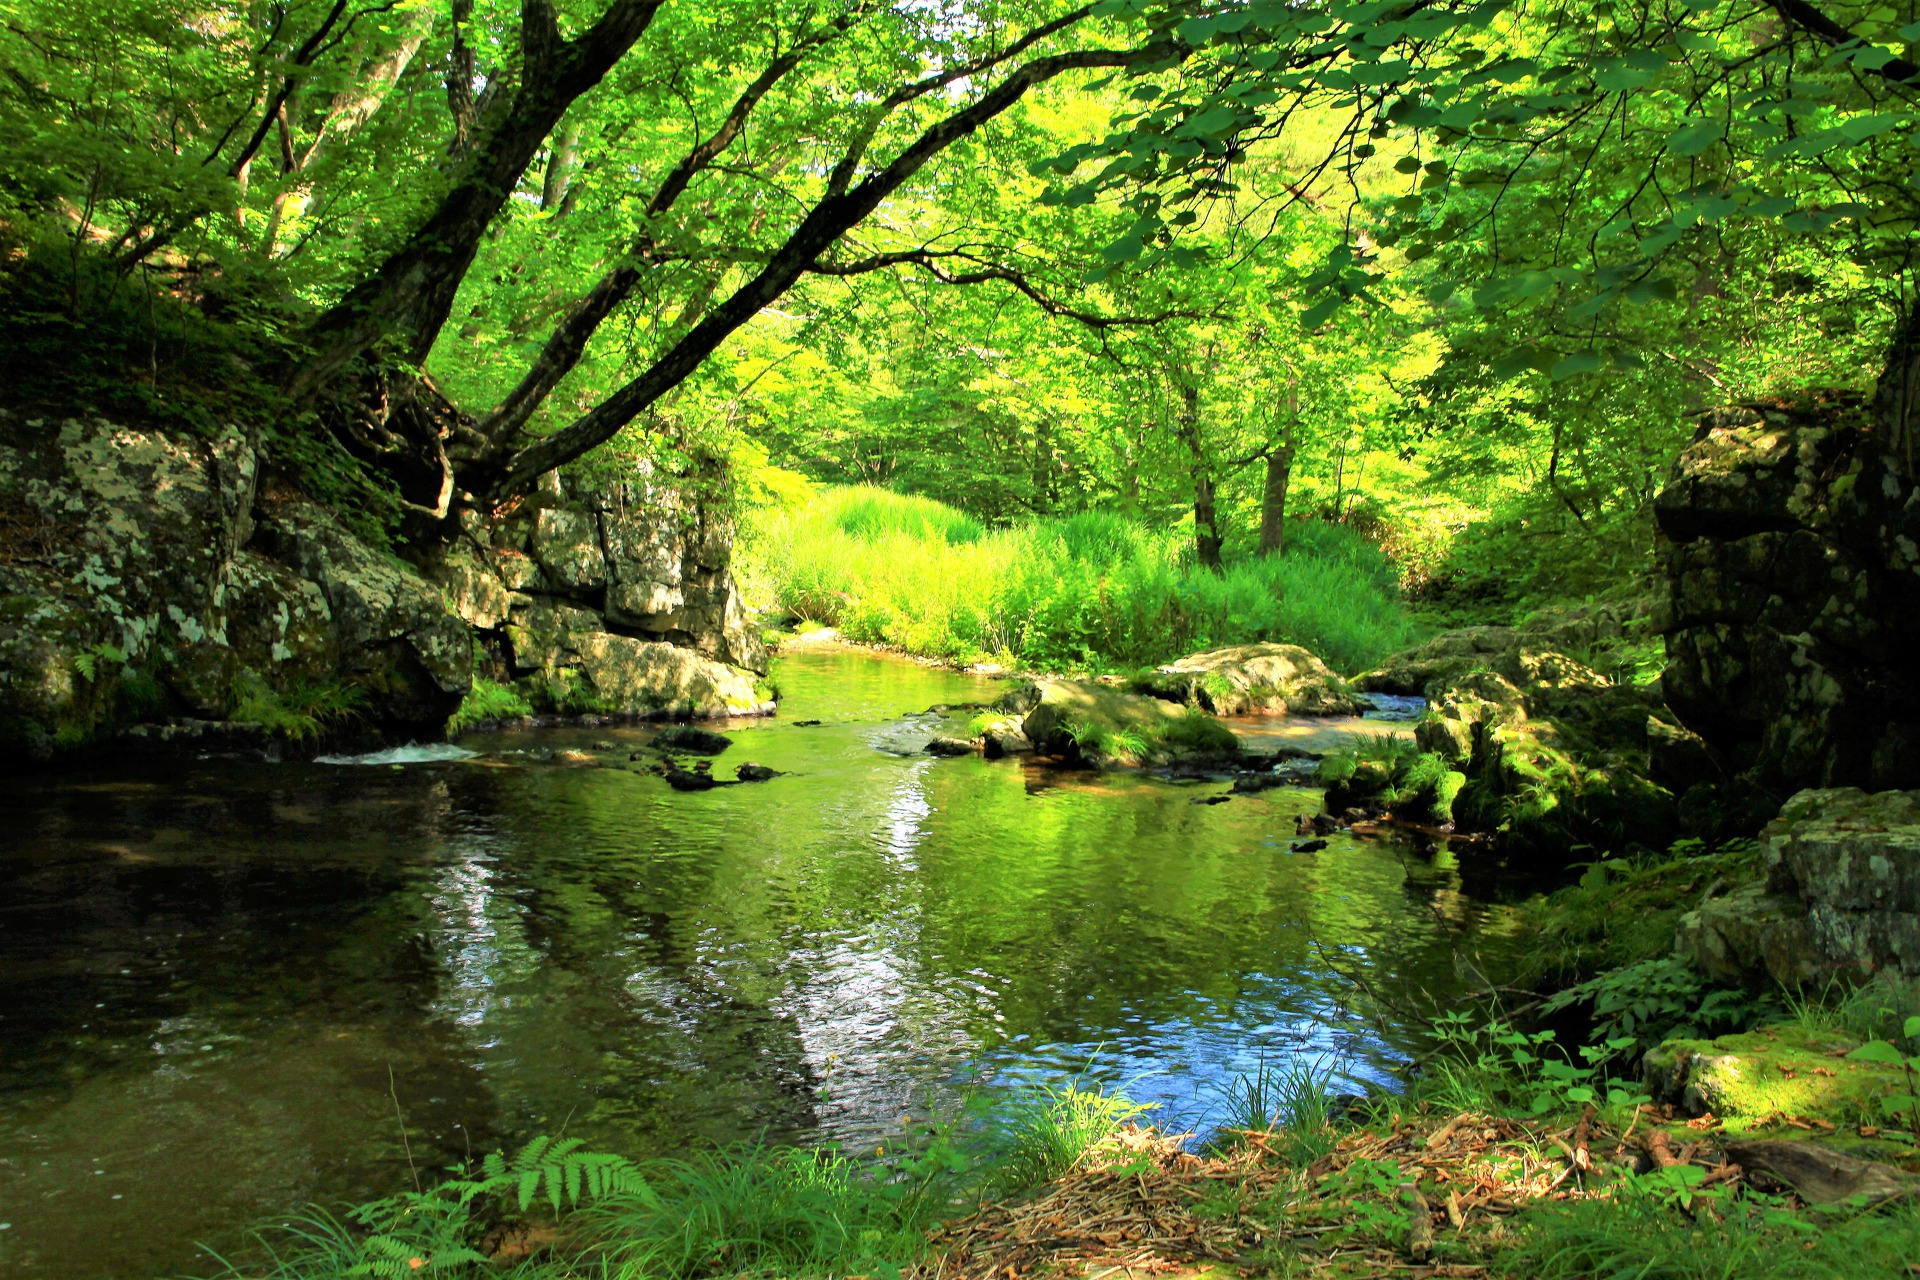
1273, 501
1206, 515
1896, 397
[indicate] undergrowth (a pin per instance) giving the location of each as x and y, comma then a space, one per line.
487, 700
1089, 591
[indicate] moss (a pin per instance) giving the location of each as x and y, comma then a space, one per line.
1774, 1073
1624, 910
1199, 733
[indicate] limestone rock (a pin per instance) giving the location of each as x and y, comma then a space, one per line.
1854, 859
567, 545
1252, 679
1749, 933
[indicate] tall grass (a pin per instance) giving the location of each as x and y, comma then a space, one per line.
1093, 590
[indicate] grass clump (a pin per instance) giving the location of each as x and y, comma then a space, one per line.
487, 700
1089, 591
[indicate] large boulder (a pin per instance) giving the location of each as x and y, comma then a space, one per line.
1252, 679
1841, 894
1553, 752
1103, 726
144, 578
1791, 546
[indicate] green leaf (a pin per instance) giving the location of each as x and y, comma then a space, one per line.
1696, 136
1878, 1051
1911, 1028
1576, 364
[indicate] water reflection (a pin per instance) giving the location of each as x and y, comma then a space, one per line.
218, 984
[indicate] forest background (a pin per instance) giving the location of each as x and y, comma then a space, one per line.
1451, 276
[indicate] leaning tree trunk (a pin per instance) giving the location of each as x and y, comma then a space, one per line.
1206, 515
1273, 501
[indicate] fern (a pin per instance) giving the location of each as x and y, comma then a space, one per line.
556, 1170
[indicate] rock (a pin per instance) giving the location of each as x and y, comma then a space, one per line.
1748, 934
1104, 727
1005, 737
750, 772
1821, 1175
805, 724
1252, 679
1213, 799
1529, 740
1791, 547
1852, 859
682, 780
1308, 846
686, 737
944, 746
1775, 1071
567, 545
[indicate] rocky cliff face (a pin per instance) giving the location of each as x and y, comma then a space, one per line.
610, 597
1792, 552
153, 586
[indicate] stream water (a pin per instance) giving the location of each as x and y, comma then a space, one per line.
225, 987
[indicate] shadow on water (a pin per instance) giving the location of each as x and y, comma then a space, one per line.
222, 984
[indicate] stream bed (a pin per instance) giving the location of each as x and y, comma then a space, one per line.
226, 986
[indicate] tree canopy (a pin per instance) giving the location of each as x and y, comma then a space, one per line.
1028, 255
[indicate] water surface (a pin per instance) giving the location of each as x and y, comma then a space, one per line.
227, 988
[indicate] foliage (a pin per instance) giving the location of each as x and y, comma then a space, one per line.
1480, 1061
487, 700
1087, 591
299, 708
1050, 1128
1639, 1005
1638, 1233
1623, 911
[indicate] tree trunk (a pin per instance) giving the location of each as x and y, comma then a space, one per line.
407, 299
1896, 397
560, 164
1206, 515
1273, 501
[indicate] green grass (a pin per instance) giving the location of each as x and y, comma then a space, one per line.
299, 709
1089, 591
744, 1211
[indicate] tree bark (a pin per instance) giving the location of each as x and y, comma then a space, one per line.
1206, 514
406, 301
1896, 396
1273, 501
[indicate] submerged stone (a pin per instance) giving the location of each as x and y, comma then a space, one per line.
686, 737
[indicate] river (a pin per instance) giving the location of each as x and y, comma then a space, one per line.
228, 988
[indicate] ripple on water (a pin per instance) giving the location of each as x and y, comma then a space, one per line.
224, 980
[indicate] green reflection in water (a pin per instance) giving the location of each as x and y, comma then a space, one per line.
218, 980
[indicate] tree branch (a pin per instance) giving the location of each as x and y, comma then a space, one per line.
830, 218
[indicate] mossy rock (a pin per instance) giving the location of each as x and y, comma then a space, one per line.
1252, 679
1771, 1074
1105, 727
